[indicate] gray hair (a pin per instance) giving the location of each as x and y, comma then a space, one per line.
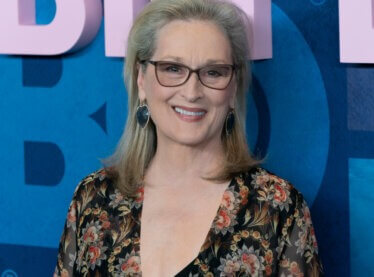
137, 146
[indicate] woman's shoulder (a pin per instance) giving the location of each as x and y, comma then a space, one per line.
94, 181
99, 189
259, 177
271, 189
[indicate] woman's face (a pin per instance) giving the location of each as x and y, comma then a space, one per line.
191, 114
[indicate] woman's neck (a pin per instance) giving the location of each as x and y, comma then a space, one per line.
174, 161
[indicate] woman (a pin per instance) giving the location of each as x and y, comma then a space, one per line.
182, 193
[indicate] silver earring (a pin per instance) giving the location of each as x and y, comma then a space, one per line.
142, 115
230, 122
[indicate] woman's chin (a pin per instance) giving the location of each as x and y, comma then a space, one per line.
191, 139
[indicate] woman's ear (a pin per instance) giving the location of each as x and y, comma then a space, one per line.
140, 83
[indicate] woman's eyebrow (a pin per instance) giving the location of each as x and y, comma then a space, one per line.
210, 61
174, 58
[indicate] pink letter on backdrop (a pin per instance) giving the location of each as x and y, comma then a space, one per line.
259, 11
75, 24
356, 19
119, 16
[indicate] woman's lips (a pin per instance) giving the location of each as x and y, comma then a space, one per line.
189, 114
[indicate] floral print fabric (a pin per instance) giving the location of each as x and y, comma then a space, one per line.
263, 227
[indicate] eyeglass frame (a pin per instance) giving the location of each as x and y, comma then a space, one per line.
190, 71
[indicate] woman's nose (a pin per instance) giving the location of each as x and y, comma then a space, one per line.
193, 88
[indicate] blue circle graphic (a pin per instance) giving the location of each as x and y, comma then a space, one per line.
297, 139
318, 2
9, 273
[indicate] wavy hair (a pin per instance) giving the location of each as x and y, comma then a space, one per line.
137, 146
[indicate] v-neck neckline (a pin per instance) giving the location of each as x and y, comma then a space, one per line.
139, 209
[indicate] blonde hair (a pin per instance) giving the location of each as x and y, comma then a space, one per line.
137, 146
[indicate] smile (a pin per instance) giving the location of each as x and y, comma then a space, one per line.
189, 114
182, 111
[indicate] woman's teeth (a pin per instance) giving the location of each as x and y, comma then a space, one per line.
181, 111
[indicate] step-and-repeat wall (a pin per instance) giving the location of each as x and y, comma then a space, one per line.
309, 113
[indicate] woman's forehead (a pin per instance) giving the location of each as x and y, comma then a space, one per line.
192, 41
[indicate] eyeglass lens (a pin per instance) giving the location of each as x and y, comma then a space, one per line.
213, 76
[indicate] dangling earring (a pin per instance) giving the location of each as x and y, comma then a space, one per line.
142, 115
230, 122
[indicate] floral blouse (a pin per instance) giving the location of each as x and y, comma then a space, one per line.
262, 228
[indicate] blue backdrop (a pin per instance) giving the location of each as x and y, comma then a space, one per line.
312, 116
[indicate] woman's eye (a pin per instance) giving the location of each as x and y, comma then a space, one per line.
172, 68
214, 73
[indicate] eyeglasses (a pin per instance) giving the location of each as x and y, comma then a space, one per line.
172, 74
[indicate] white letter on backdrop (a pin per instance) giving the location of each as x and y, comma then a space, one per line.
356, 21
75, 25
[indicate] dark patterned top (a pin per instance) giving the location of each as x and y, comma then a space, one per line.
262, 228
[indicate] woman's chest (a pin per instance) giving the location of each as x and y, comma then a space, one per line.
174, 231
169, 242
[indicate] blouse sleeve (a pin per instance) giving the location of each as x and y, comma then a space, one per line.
67, 250
299, 255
